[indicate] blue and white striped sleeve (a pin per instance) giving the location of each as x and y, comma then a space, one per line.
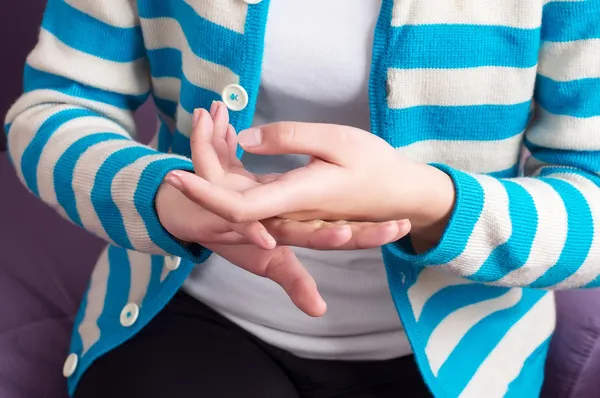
71, 135
541, 230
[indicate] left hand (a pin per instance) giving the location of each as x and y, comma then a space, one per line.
353, 175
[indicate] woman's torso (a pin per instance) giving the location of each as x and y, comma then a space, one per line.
316, 68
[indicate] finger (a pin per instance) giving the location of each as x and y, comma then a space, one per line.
371, 235
322, 235
332, 143
259, 203
267, 178
256, 234
286, 270
315, 234
232, 146
204, 157
220, 117
227, 238
281, 266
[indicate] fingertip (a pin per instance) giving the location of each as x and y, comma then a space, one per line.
267, 239
404, 227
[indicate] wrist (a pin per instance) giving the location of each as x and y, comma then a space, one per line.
435, 196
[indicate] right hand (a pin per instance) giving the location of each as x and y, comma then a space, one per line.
251, 246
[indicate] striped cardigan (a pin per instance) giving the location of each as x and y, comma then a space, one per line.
460, 84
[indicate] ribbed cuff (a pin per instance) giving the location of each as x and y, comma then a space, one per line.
144, 199
467, 209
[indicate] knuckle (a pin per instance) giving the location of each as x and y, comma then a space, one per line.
286, 132
237, 216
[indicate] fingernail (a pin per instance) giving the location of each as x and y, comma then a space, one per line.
174, 180
213, 109
250, 138
195, 117
267, 238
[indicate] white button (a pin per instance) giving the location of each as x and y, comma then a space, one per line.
252, 1
129, 314
70, 365
235, 97
172, 262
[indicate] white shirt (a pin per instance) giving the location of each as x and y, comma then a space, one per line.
315, 69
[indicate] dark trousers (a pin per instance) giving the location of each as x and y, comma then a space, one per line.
190, 351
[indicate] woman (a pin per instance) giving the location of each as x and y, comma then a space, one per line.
427, 105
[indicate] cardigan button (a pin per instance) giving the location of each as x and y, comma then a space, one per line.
70, 365
172, 262
129, 314
252, 1
235, 97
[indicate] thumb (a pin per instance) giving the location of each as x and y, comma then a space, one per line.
331, 143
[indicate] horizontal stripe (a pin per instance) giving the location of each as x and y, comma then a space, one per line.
62, 180
550, 235
186, 26
167, 88
85, 174
573, 60
504, 363
104, 192
584, 256
52, 56
495, 215
577, 98
31, 155
198, 70
513, 13
181, 144
446, 336
119, 280
90, 35
584, 160
166, 106
88, 329
564, 132
464, 123
451, 299
580, 234
571, 20
455, 87
165, 62
125, 183
513, 253
51, 100
479, 341
62, 139
141, 272
120, 13
38, 80
428, 283
472, 156
510, 172
25, 126
453, 46
230, 14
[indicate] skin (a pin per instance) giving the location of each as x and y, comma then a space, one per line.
260, 246
353, 176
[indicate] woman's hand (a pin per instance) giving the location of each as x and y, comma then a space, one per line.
353, 175
213, 144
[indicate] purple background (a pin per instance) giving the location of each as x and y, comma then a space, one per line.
46, 261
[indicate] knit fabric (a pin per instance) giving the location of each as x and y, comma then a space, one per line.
453, 84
